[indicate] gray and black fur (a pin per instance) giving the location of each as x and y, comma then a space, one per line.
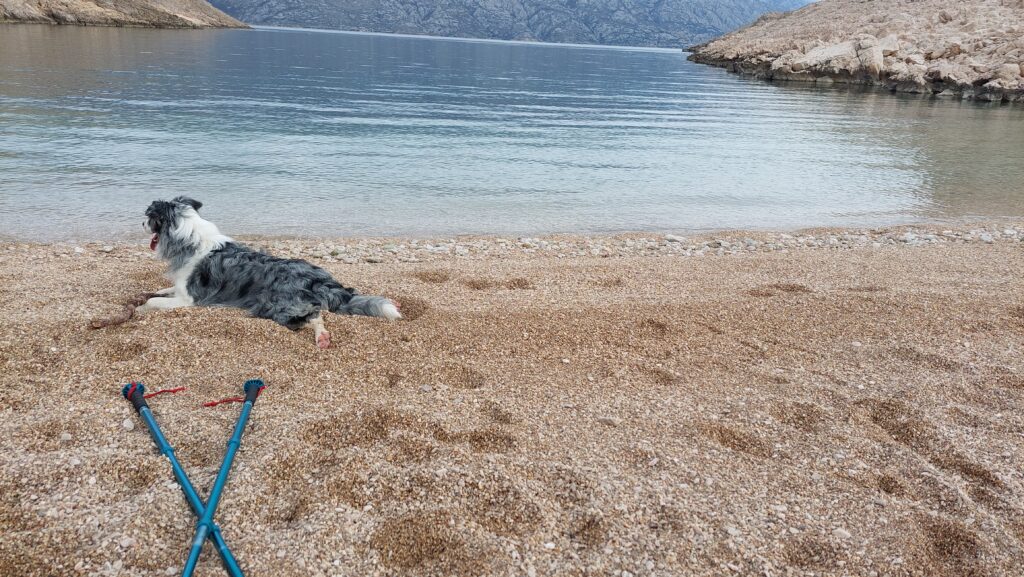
217, 271
287, 291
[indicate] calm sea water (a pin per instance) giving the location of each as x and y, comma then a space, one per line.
322, 133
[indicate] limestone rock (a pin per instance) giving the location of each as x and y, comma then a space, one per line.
871, 60
922, 46
836, 54
1008, 71
915, 59
151, 13
889, 45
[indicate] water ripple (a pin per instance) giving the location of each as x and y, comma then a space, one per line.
303, 132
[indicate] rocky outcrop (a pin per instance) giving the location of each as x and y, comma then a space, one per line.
668, 23
150, 13
968, 49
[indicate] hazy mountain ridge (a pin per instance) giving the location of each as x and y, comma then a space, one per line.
966, 49
155, 13
668, 23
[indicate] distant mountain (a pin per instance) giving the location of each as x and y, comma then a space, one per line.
150, 13
668, 23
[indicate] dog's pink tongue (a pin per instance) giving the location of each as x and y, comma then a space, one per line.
153, 241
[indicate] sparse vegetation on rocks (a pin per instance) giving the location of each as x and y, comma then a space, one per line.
144, 13
964, 50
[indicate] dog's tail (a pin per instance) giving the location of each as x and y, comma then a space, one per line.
368, 306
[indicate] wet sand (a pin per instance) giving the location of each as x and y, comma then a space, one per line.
847, 408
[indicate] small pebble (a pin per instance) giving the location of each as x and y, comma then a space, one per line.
65, 437
841, 533
128, 425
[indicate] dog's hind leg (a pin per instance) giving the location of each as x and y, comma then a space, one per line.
162, 303
323, 338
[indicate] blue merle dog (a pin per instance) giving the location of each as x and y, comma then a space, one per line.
210, 269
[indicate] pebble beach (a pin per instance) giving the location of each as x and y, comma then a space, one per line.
817, 402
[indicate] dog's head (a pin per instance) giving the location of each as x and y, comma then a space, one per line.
163, 217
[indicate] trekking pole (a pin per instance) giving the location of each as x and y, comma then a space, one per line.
206, 526
134, 392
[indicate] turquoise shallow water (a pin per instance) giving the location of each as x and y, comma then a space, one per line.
323, 133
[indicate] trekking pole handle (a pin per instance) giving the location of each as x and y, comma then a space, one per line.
252, 388
135, 394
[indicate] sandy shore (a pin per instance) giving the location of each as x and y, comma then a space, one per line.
825, 402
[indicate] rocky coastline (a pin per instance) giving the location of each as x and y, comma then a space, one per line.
974, 51
131, 13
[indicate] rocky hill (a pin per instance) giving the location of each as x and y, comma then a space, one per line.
959, 49
155, 13
670, 23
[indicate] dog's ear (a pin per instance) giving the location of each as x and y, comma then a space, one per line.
189, 201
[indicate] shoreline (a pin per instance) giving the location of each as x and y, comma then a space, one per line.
768, 71
397, 249
239, 26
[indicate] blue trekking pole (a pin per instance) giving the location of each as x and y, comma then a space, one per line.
206, 525
134, 392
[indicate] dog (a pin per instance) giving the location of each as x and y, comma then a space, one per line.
210, 269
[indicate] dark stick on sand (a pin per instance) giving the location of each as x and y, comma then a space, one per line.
126, 313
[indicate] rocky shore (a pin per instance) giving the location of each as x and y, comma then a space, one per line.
826, 402
143, 13
398, 250
964, 50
